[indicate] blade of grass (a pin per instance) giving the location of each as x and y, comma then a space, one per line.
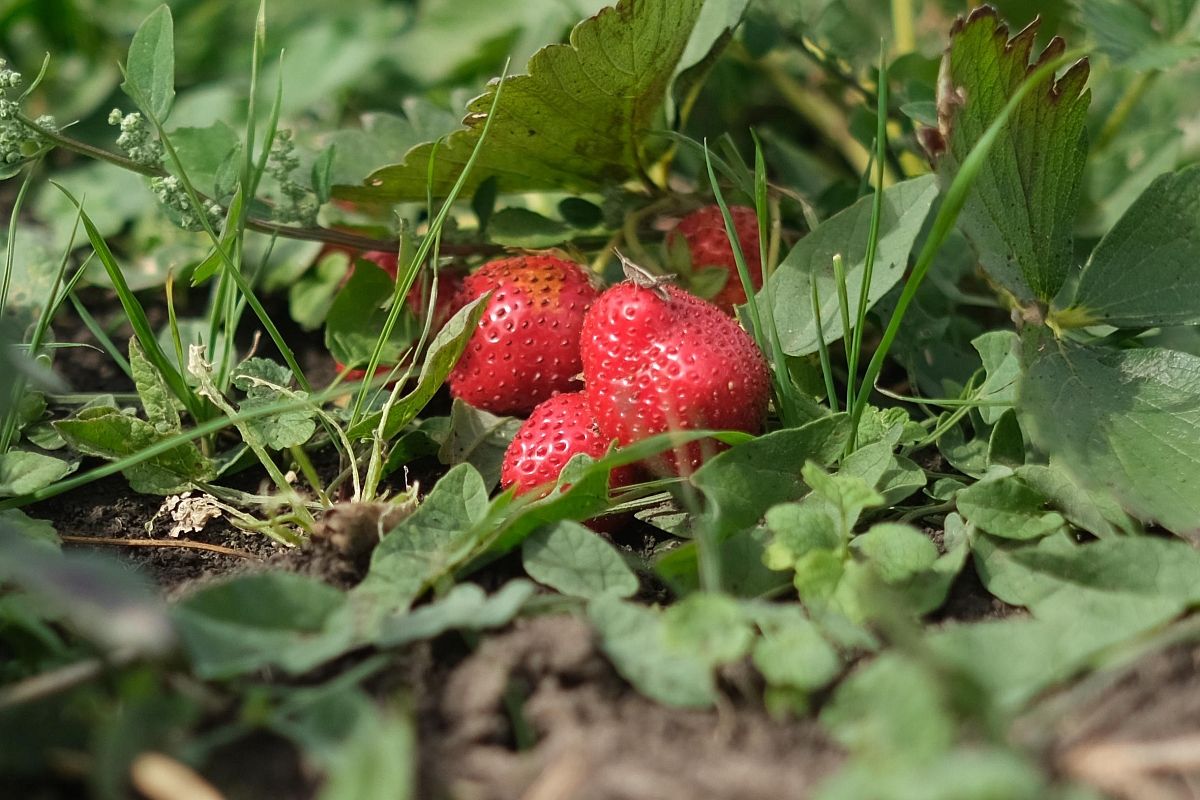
823, 350
943, 223
10, 254
839, 281
137, 315
854, 350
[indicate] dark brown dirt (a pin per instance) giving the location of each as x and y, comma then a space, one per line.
1133, 733
595, 738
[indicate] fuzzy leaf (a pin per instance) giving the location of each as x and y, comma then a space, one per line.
153, 391
1146, 271
1008, 507
575, 122
150, 68
22, 471
1122, 421
905, 207
107, 433
1020, 213
575, 561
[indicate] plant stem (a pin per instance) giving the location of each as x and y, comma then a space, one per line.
1123, 108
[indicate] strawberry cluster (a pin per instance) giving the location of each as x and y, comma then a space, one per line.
589, 368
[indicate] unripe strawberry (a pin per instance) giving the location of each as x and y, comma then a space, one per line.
660, 359
526, 348
708, 245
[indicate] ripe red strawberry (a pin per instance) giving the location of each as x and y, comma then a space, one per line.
659, 359
708, 244
526, 348
557, 430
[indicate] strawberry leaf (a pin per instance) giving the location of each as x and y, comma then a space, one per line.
575, 122
905, 207
1125, 421
1146, 271
1020, 213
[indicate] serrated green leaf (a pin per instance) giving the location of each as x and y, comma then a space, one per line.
1122, 421
1146, 270
634, 639
465, 607
905, 206
23, 471
150, 68
575, 122
573, 560
1021, 210
1008, 507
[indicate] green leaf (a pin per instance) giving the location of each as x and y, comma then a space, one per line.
1008, 507
1000, 353
789, 289
743, 573
847, 495
36, 531
156, 397
969, 772
742, 482
1139, 35
23, 471
357, 316
385, 138
520, 227
670, 656
896, 551
465, 607
432, 540
799, 528
311, 295
1095, 512
150, 68
109, 434
1122, 421
205, 154
574, 560
791, 653
265, 382
443, 353
1006, 445
575, 122
478, 438
1146, 270
892, 707
377, 761
1021, 210
254, 621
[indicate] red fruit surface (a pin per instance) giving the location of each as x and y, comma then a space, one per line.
526, 348
652, 364
557, 430
708, 244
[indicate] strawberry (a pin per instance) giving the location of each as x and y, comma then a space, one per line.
526, 348
658, 359
557, 430
708, 244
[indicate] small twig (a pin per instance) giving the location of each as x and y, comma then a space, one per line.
185, 543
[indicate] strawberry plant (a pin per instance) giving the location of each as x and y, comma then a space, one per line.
447, 384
